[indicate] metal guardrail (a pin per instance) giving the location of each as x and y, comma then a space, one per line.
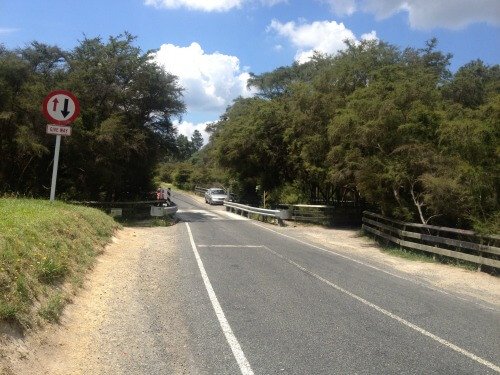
342, 214
200, 190
163, 210
134, 209
242, 209
170, 210
455, 243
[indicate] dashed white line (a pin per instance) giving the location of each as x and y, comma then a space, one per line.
242, 361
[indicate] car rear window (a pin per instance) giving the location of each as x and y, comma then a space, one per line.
218, 191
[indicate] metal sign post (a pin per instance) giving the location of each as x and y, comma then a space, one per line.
54, 168
60, 119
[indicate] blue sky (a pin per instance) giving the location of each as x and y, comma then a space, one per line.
212, 45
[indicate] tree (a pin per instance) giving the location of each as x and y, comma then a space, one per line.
127, 102
197, 140
250, 144
124, 128
472, 84
25, 77
184, 147
393, 128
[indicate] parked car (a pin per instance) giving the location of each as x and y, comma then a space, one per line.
215, 196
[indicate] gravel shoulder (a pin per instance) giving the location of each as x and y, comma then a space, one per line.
137, 276
95, 334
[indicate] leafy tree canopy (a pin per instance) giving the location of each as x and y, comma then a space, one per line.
127, 103
393, 128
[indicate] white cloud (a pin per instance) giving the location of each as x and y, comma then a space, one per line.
203, 5
206, 5
372, 35
322, 36
187, 128
6, 30
426, 14
271, 3
342, 7
211, 81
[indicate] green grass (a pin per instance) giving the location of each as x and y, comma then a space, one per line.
420, 256
51, 310
408, 254
43, 247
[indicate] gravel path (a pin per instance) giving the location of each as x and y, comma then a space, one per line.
110, 320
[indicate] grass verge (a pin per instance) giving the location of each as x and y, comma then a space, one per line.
408, 254
45, 249
419, 256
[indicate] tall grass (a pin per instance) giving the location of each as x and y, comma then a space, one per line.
44, 248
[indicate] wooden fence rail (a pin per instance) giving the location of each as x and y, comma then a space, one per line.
455, 243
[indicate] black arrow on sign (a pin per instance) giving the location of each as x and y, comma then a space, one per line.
65, 111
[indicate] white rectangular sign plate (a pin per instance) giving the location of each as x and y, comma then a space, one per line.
58, 130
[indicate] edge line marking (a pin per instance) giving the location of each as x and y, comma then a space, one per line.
226, 328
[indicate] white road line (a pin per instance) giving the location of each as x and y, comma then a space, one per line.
214, 215
391, 315
375, 268
234, 246
226, 328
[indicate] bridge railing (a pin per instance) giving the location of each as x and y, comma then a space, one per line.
245, 210
449, 242
134, 209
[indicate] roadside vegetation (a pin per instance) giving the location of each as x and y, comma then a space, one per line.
388, 128
45, 250
374, 125
420, 256
128, 104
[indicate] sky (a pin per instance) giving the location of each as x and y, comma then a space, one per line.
212, 46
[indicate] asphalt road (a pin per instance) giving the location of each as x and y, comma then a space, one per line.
260, 302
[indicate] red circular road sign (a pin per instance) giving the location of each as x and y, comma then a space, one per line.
61, 107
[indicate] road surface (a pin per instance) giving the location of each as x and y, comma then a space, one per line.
265, 303
220, 294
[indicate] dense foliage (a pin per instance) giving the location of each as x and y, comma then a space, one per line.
127, 103
393, 128
376, 124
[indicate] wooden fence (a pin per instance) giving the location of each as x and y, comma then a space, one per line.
454, 243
